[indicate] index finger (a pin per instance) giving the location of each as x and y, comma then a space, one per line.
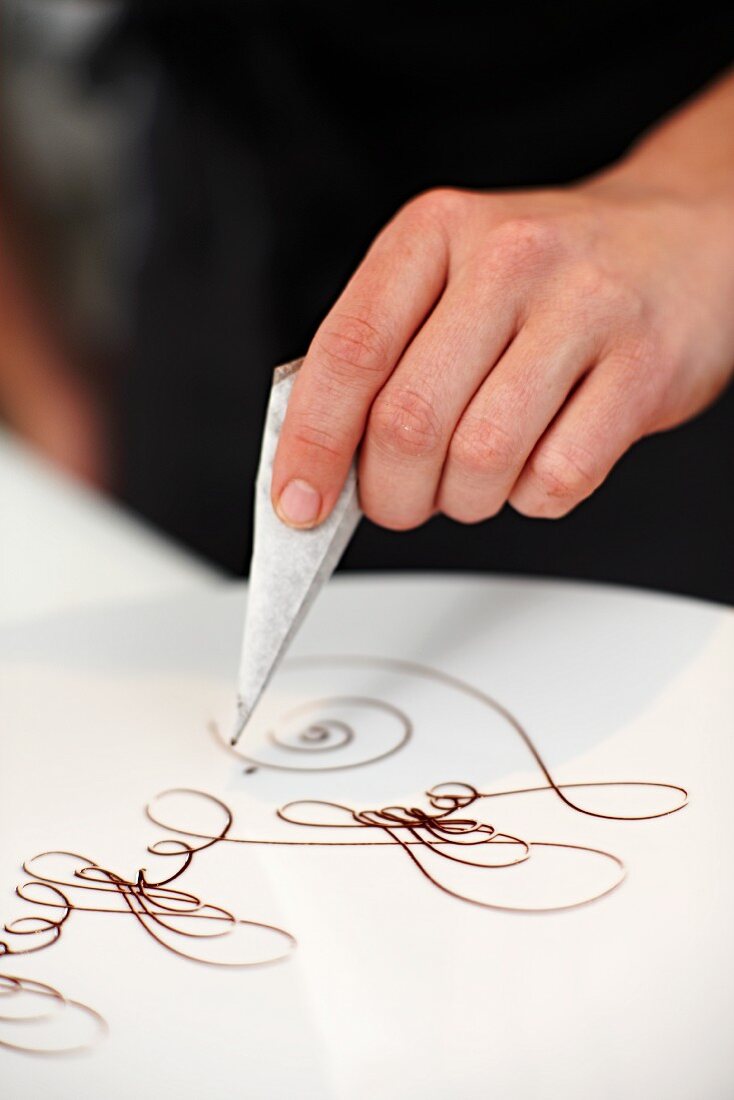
354, 351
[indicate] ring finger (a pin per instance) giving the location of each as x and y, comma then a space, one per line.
506, 417
413, 418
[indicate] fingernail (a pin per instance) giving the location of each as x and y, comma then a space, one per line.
299, 504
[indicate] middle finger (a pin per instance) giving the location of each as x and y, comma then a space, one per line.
413, 418
508, 414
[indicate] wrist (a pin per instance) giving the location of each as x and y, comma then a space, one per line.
690, 155
654, 184
647, 170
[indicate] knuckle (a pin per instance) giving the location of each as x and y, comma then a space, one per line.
590, 281
522, 244
563, 475
641, 368
593, 289
352, 345
599, 291
437, 204
482, 448
404, 422
641, 355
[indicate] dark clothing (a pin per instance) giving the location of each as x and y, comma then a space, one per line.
283, 137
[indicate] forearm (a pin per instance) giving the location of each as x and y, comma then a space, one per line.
691, 152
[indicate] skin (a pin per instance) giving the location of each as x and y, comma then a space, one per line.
511, 346
41, 397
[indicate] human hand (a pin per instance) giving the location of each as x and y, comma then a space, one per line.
511, 347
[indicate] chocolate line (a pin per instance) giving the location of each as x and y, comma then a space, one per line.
171, 917
413, 668
175, 918
413, 828
15, 987
317, 737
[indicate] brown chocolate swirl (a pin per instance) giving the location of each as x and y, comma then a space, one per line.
62, 883
450, 832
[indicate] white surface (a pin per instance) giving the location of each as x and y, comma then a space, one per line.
395, 989
62, 546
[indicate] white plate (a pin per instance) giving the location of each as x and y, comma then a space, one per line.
396, 986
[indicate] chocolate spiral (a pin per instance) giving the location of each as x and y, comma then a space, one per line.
357, 730
321, 736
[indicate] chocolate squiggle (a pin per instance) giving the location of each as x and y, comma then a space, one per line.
436, 676
306, 736
440, 833
65, 882
161, 910
461, 840
45, 1005
419, 832
444, 835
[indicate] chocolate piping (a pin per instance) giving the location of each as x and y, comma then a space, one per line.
158, 906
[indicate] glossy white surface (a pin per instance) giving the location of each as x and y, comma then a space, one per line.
395, 989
